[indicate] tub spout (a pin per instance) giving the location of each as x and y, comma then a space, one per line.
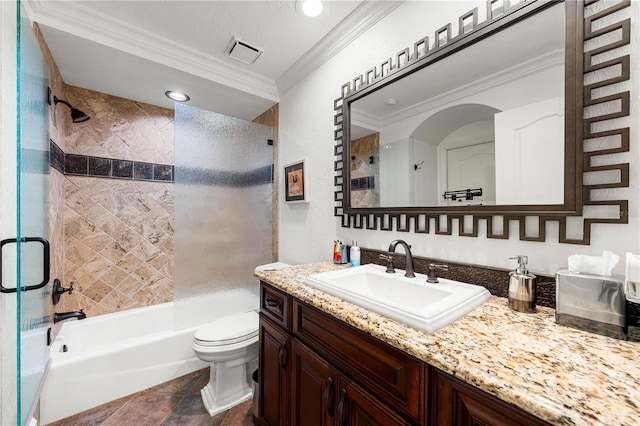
57, 317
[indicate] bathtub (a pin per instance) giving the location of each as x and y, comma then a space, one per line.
97, 360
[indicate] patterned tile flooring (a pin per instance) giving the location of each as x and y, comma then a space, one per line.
174, 403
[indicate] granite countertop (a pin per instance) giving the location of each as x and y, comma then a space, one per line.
561, 375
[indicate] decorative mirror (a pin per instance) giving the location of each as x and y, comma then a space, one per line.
501, 123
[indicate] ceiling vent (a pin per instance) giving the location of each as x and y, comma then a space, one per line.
242, 51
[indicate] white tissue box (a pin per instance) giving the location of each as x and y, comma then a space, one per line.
593, 303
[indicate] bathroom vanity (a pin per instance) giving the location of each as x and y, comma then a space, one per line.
324, 361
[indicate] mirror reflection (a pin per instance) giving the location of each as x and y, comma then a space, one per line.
471, 129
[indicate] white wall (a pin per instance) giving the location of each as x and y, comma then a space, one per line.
7, 208
306, 123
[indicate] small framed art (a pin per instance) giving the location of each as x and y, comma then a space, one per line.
295, 183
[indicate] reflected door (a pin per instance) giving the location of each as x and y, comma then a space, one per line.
472, 167
530, 154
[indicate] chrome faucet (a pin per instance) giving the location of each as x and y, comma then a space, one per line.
407, 250
57, 317
432, 274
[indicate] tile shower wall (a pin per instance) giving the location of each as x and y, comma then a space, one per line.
118, 243
56, 179
118, 232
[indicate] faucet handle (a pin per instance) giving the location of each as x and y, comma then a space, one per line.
389, 259
432, 274
58, 290
435, 266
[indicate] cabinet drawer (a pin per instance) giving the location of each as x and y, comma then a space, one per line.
390, 374
276, 305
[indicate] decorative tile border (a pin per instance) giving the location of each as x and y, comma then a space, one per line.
257, 176
86, 165
56, 156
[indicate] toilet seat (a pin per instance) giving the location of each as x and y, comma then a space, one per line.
228, 330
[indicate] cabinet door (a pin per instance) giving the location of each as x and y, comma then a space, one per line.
275, 346
313, 388
457, 403
357, 407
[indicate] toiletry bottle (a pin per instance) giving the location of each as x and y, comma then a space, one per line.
337, 252
522, 287
354, 254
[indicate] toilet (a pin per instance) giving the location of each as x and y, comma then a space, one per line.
230, 345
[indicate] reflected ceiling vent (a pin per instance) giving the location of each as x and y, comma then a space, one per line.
242, 51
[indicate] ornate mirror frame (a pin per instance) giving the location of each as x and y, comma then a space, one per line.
585, 115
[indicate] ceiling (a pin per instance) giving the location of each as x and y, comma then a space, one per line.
140, 49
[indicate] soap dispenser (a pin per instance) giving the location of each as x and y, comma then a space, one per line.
522, 287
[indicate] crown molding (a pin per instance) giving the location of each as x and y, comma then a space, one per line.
76, 19
356, 23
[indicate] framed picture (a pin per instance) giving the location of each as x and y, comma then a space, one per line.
294, 183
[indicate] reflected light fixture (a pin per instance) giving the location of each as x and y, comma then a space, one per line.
311, 8
391, 102
177, 96
77, 116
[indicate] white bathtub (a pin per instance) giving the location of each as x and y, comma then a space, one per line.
101, 359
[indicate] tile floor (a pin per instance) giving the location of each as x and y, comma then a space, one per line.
174, 403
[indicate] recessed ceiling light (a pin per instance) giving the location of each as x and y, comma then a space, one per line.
310, 8
176, 96
391, 102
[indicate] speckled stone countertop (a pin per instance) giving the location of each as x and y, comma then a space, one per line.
561, 375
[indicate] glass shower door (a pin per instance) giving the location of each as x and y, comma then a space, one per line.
223, 207
32, 290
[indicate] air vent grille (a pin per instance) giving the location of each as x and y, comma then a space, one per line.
242, 51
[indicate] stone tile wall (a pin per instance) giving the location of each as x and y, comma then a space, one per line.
118, 243
364, 174
118, 229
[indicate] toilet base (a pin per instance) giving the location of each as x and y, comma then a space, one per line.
229, 385
217, 407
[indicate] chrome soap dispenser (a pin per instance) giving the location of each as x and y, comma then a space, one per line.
522, 287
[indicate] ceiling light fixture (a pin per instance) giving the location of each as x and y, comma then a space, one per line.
177, 96
391, 102
311, 8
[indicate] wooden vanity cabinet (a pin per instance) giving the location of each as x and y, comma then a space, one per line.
323, 396
454, 402
274, 356
316, 370
273, 374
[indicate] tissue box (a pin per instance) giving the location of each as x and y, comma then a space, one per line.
591, 303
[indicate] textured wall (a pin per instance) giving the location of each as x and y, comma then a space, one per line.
307, 131
118, 232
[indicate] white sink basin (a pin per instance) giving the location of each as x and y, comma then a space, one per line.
413, 301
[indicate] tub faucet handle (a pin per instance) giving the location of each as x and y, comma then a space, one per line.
58, 290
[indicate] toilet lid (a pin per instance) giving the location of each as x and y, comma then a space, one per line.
229, 330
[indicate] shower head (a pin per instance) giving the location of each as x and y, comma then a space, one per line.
77, 116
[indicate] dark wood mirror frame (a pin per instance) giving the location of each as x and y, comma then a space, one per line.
580, 117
